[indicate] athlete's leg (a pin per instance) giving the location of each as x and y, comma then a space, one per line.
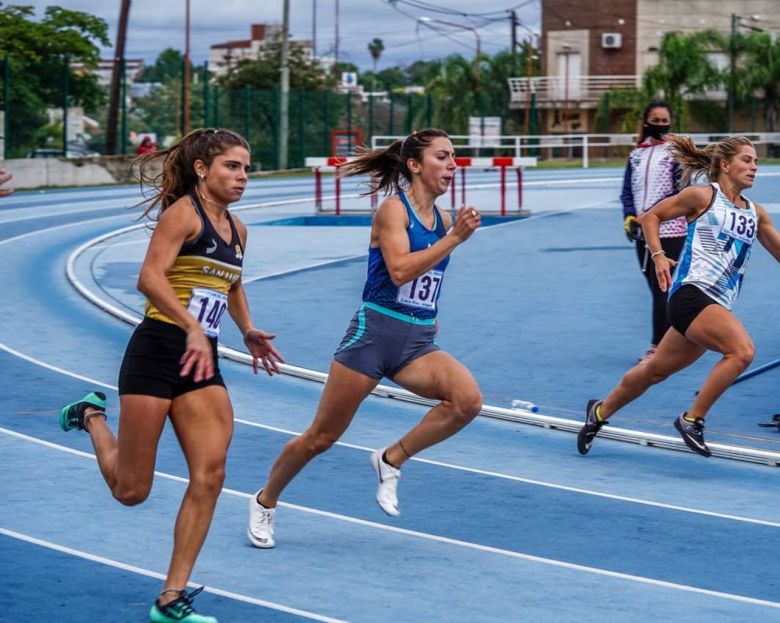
203, 421
127, 461
719, 330
344, 390
440, 376
674, 353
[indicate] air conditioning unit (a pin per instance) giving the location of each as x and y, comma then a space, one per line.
611, 40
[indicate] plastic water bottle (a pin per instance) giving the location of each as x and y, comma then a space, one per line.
524, 404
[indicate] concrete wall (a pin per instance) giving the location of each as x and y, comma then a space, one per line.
53, 172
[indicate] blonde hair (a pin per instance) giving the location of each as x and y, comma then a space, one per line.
706, 160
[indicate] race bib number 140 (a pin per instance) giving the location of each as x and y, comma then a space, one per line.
208, 306
422, 292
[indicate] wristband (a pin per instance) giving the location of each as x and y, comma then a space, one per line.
661, 252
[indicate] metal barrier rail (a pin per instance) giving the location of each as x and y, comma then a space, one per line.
726, 451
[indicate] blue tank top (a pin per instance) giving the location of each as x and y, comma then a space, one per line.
416, 299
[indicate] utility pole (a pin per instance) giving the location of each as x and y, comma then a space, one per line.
314, 28
732, 71
186, 98
513, 17
336, 53
284, 100
116, 78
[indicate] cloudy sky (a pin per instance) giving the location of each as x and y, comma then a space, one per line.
157, 24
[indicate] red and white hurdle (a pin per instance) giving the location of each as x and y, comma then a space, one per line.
501, 163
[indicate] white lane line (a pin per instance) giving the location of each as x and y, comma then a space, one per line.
471, 470
56, 228
161, 576
543, 483
447, 540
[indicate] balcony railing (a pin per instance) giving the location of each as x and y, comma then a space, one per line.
563, 89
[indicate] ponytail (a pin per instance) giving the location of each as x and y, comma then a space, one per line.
706, 161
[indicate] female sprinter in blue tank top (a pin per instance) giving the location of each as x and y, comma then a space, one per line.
722, 226
191, 275
392, 333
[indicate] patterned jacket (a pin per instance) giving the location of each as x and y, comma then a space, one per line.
652, 175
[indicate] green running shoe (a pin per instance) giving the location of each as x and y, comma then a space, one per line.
72, 415
179, 610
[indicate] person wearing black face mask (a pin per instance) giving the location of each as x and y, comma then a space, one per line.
652, 175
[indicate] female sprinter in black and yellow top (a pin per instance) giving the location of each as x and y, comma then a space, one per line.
191, 275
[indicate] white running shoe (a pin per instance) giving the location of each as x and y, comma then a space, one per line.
386, 495
261, 524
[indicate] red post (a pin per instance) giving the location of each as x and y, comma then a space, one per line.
338, 191
503, 191
463, 186
317, 189
453, 188
519, 188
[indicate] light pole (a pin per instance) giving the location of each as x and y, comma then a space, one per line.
736, 21
429, 20
186, 77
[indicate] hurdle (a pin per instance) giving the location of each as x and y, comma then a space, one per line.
334, 164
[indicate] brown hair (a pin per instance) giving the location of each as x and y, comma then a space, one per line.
643, 134
177, 177
707, 160
387, 166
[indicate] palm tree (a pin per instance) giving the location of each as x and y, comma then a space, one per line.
376, 47
683, 70
760, 72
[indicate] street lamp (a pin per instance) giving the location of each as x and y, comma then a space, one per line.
429, 20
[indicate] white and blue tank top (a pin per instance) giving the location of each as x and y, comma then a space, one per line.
417, 299
717, 249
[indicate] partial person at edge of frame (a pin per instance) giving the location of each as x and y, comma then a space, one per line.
722, 226
5, 177
190, 276
392, 333
652, 174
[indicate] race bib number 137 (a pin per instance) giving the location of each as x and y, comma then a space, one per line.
422, 292
208, 306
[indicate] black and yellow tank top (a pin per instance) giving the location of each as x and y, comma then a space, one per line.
203, 273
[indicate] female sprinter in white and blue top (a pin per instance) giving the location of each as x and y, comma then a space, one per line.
722, 226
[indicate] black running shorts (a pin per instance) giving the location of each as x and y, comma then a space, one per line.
151, 366
685, 304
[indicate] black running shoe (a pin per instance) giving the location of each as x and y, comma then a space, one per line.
692, 434
591, 428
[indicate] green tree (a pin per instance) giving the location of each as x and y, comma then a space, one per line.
376, 47
685, 69
168, 66
759, 72
263, 72
40, 54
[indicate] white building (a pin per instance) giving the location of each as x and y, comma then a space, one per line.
224, 56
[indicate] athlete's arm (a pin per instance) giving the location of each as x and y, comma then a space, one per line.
257, 341
176, 225
389, 234
689, 202
767, 235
